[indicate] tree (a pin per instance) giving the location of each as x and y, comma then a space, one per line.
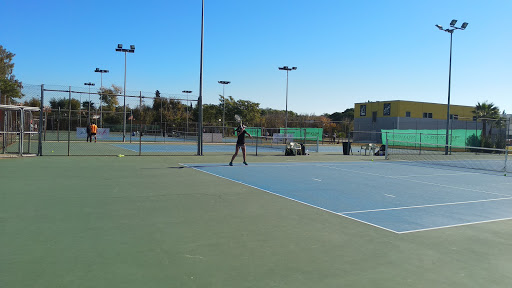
10, 87
486, 111
108, 97
34, 102
63, 104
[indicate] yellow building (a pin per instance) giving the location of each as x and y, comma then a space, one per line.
411, 109
410, 115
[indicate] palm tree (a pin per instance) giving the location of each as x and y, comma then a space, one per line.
486, 111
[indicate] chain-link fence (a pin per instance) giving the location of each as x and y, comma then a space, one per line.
137, 123
18, 130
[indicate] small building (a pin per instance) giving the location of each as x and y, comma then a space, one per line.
411, 115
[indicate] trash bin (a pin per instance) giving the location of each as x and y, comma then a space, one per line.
346, 148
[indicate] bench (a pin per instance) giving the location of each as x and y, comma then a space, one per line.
293, 148
368, 147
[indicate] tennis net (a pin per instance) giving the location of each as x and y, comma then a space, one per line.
279, 143
479, 158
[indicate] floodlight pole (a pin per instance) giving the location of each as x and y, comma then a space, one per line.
200, 99
131, 50
224, 83
101, 71
287, 69
450, 30
187, 92
89, 84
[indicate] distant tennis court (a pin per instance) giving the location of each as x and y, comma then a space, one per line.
394, 196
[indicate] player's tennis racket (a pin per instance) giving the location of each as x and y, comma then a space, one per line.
238, 119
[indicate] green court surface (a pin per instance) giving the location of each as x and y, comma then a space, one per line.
149, 222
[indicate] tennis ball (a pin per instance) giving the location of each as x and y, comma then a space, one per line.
52, 151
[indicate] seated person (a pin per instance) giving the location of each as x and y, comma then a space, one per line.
381, 151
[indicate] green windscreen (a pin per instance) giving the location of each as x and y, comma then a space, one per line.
311, 133
254, 131
456, 137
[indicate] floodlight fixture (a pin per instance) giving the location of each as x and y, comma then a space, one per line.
131, 50
101, 71
224, 83
187, 92
286, 68
450, 30
88, 84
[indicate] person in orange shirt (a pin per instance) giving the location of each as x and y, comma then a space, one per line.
94, 130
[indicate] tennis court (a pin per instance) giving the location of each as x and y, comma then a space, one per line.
153, 222
394, 196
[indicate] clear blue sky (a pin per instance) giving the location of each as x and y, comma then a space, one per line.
346, 51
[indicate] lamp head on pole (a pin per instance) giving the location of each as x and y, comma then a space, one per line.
224, 82
439, 27
453, 22
287, 68
464, 25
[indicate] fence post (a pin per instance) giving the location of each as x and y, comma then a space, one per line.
69, 120
58, 127
140, 121
40, 128
387, 148
22, 124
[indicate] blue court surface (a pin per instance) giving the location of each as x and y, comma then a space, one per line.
210, 148
154, 148
394, 196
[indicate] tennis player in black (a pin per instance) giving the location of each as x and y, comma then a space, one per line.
240, 143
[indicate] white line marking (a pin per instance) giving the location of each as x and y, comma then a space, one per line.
390, 195
440, 174
455, 225
417, 181
343, 214
288, 198
317, 179
430, 205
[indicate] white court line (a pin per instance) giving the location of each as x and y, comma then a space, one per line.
417, 181
390, 195
422, 206
455, 225
344, 214
384, 228
317, 179
117, 145
440, 174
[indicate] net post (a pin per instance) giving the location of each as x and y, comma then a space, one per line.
257, 141
420, 143
387, 148
506, 159
317, 143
